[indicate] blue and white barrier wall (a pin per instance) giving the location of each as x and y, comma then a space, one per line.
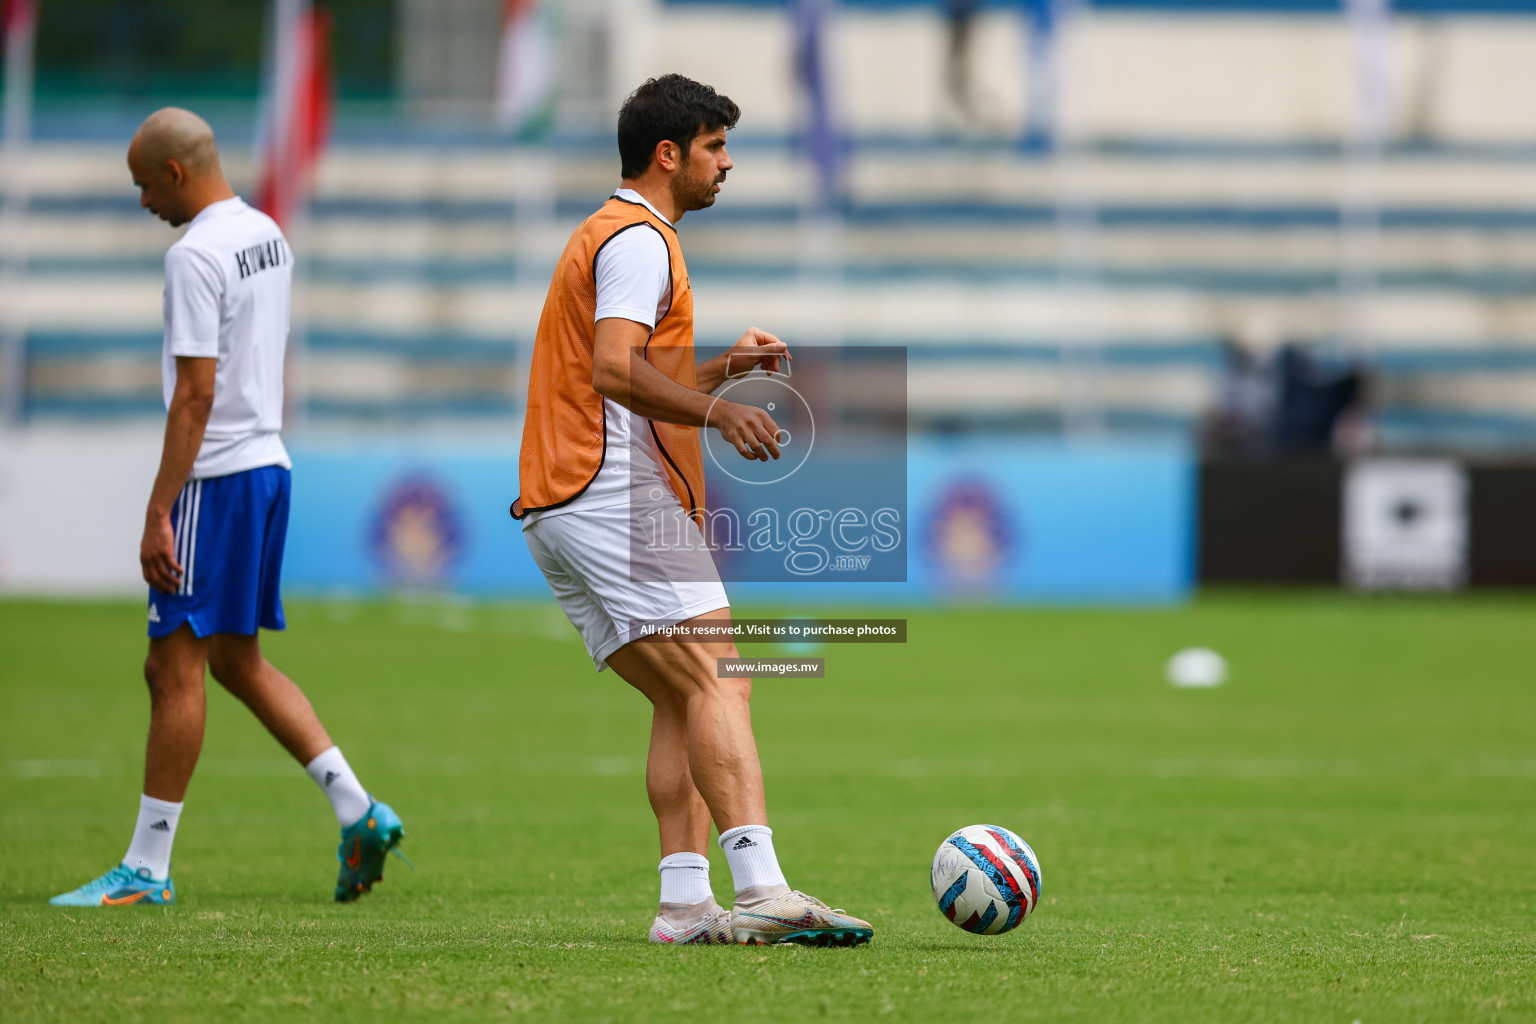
982, 520
1008, 520
1047, 521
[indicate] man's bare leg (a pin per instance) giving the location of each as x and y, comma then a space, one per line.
688, 912
723, 764
178, 710
722, 752
238, 665
682, 817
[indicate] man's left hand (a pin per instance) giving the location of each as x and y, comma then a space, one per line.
157, 555
755, 349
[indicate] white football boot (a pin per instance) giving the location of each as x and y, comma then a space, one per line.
765, 915
681, 923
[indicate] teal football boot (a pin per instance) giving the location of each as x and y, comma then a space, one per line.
119, 888
364, 844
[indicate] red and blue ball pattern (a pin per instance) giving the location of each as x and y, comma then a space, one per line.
986, 879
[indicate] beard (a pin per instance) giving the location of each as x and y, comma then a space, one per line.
694, 193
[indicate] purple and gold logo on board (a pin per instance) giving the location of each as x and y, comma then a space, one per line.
417, 533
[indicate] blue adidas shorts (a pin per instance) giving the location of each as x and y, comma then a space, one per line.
229, 542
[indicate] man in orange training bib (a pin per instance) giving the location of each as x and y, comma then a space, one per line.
615, 405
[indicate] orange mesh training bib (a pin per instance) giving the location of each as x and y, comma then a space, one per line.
564, 435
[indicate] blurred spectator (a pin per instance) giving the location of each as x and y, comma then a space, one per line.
1311, 400
1289, 404
1242, 425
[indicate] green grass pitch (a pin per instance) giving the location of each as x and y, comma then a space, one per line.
1344, 832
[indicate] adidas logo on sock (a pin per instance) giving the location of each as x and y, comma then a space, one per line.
742, 843
160, 826
154, 614
331, 777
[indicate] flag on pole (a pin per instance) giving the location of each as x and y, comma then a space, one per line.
525, 65
299, 98
1043, 72
18, 16
1370, 28
819, 138
18, 24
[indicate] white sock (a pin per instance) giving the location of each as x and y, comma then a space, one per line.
749, 852
339, 784
685, 878
152, 838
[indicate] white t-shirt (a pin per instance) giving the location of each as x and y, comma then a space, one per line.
633, 273
227, 286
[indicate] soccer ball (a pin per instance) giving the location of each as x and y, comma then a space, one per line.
986, 879
1196, 666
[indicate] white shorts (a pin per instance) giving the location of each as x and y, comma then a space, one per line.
587, 559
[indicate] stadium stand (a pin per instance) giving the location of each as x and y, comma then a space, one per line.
426, 267
417, 304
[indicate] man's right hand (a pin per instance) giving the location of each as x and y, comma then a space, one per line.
157, 554
748, 429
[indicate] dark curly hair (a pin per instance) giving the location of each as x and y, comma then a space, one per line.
670, 108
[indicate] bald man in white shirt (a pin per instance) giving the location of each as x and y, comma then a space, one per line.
218, 514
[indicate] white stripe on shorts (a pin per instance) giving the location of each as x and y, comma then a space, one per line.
181, 530
191, 563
